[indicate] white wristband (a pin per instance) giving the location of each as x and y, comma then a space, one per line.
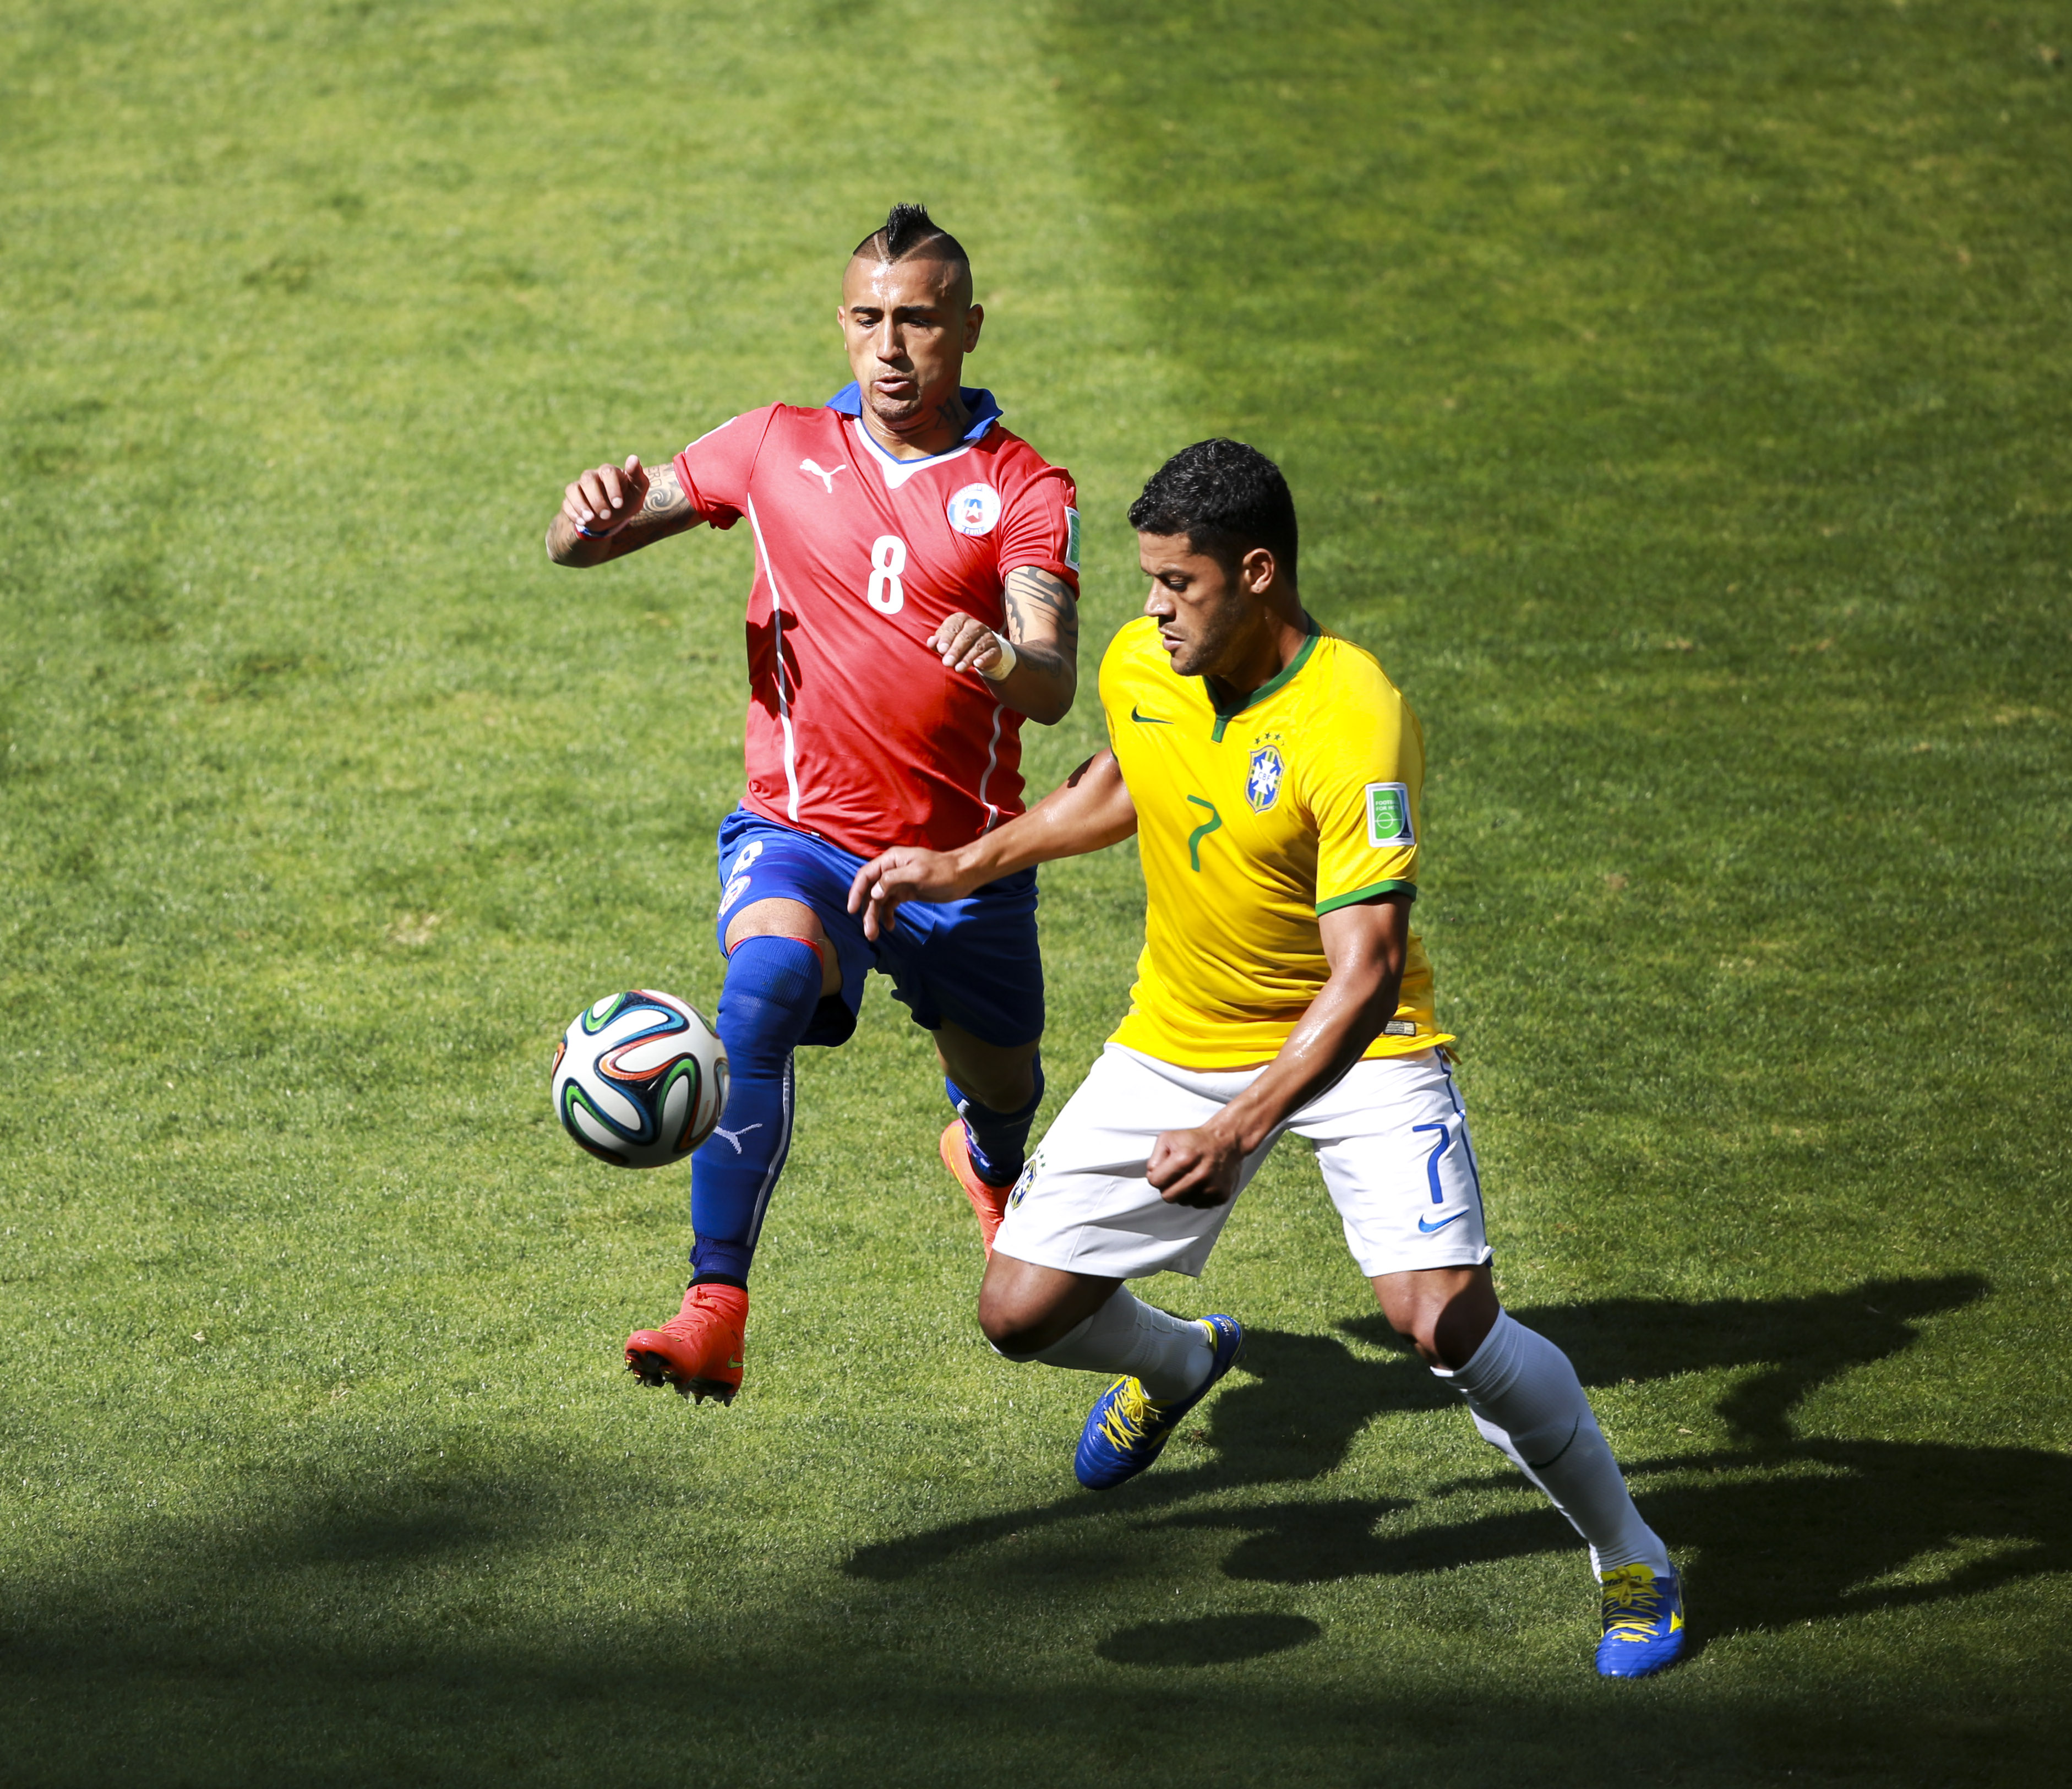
1003, 667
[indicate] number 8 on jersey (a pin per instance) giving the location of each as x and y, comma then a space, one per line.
885, 593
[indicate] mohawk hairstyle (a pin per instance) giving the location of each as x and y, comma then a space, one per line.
1226, 498
907, 230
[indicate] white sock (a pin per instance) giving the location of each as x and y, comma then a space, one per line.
1169, 1355
1527, 1401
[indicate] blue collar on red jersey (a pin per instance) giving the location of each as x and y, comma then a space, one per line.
983, 406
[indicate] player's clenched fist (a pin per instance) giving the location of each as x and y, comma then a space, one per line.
1194, 1167
966, 644
606, 498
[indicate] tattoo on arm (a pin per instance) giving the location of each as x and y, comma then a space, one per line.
1043, 620
666, 500
1033, 597
665, 511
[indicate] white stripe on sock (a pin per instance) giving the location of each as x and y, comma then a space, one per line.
1529, 1404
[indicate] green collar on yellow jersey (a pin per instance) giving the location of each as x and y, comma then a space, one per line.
1279, 681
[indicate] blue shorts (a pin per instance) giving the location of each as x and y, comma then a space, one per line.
973, 962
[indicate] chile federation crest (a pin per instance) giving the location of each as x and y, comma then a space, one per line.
974, 509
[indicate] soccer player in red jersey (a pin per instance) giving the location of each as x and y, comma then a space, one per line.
914, 597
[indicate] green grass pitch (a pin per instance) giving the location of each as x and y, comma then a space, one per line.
1676, 396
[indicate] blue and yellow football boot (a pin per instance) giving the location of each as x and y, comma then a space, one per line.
1126, 1429
1643, 1621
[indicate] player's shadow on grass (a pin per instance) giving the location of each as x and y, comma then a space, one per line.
1207, 1640
1293, 1413
1780, 1529
1799, 1344
1845, 1528
394, 1523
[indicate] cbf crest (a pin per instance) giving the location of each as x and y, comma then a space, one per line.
1262, 786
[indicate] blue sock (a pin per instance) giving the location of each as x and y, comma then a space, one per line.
771, 992
997, 1140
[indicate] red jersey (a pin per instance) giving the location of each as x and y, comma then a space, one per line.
856, 731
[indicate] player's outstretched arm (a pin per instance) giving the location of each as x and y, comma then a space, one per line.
1365, 945
1041, 648
1089, 810
611, 510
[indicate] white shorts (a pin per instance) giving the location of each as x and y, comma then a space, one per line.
1391, 1139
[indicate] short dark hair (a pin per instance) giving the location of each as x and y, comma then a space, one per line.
908, 229
1226, 498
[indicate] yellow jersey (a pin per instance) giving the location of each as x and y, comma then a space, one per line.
1253, 821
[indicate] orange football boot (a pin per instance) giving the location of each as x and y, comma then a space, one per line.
989, 1202
698, 1351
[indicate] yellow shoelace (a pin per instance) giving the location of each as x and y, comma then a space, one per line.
1632, 1600
1130, 1415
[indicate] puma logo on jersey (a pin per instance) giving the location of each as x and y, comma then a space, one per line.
734, 1136
824, 474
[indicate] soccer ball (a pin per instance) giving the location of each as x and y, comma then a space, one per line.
639, 1080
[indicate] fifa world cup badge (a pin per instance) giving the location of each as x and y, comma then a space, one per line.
1388, 815
1262, 787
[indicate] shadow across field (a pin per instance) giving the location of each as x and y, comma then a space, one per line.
366, 1631
384, 1625
1776, 1529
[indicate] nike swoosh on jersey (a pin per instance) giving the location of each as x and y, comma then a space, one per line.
1433, 1229
1147, 720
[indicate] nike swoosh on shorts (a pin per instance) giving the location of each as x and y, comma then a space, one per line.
1433, 1229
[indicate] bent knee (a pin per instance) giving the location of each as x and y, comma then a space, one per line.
778, 917
1014, 1330
1443, 1312
1446, 1335
1411, 1306
1419, 1326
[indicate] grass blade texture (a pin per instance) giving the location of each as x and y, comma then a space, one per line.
1675, 397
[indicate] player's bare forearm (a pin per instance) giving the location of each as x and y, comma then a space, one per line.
1346, 1017
567, 545
1042, 685
1365, 945
1089, 810
1043, 635
1043, 622
611, 510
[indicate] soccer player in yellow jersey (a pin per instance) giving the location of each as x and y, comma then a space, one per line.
1273, 776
